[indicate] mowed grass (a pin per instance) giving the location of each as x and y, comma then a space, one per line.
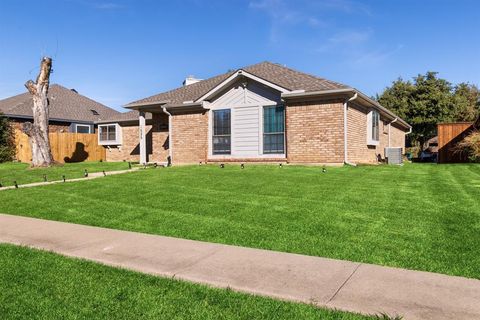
23, 174
419, 216
41, 285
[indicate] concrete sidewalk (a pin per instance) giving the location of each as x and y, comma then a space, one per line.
344, 285
93, 175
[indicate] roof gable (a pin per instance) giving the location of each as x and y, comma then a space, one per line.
275, 74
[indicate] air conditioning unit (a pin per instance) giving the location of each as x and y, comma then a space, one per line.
394, 155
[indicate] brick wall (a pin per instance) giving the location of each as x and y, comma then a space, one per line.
315, 132
190, 137
358, 150
156, 141
52, 127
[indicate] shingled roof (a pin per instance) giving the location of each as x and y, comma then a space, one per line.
65, 104
277, 74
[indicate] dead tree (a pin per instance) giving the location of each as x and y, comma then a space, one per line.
38, 131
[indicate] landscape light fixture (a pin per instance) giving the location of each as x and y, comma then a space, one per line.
222, 165
155, 165
63, 177
280, 165
129, 165
104, 174
324, 170
16, 184
242, 166
200, 163
44, 178
85, 173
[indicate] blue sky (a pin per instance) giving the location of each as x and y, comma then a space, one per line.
117, 51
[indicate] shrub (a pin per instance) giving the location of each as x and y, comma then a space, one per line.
470, 146
7, 140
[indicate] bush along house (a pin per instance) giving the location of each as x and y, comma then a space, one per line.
261, 113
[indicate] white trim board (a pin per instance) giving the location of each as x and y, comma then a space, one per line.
233, 77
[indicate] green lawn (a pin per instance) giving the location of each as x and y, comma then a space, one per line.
419, 216
41, 285
22, 173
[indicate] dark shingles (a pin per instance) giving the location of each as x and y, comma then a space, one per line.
64, 104
282, 76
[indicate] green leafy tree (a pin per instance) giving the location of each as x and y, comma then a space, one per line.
7, 140
466, 102
429, 100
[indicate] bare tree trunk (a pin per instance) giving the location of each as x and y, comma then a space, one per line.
38, 131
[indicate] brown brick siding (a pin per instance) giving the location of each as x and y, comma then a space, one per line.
358, 150
52, 127
157, 142
190, 137
314, 132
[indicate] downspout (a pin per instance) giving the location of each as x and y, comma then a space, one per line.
345, 132
389, 126
170, 140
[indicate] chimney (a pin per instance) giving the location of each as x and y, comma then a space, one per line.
190, 80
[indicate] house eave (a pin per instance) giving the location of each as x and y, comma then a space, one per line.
144, 105
23, 117
346, 92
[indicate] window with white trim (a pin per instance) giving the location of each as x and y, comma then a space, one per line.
82, 128
274, 129
109, 134
222, 139
373, 128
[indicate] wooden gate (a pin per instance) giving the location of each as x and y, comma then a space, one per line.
66, 147
449, 134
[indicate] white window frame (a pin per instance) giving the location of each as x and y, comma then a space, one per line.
83, 125
118, 134
371, 141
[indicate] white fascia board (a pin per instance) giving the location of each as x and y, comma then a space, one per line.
361, 95
302, 93
237, 74
139, 105
382, 109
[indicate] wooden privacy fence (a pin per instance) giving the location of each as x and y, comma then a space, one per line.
449, 134
66, 147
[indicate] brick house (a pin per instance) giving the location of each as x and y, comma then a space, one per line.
261, 113
69, 111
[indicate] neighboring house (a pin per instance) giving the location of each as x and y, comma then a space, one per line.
69, 111
261, 113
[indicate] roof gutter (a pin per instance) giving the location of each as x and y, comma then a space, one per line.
170, 140
345, 130
143, 105
362, 96
14, 116
301, 94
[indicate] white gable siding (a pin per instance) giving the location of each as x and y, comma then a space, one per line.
253, 94
245, 126
246, 104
